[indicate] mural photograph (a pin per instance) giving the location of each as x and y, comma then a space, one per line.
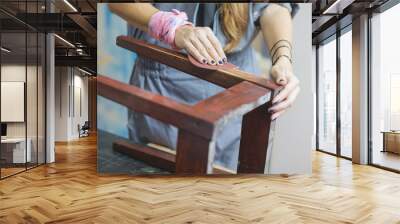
187, 88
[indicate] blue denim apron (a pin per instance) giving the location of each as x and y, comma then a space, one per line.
184, 88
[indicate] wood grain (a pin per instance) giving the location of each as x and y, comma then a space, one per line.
92, 105
152, 156
254, 141
194, 154
202, 119
71, 191
157, 156
234, 102
178, 60
199, 125
157, 106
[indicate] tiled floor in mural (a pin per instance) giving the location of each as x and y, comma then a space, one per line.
112, 162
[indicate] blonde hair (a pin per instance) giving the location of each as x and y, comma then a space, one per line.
234, 19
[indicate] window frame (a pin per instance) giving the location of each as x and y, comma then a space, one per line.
334, 37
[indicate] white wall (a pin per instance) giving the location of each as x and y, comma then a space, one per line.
71, 94
314, 84
61, 103
16, 73
11, 73
12, 100
80, 115
33, 126
294, 131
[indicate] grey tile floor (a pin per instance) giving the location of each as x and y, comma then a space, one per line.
110, 162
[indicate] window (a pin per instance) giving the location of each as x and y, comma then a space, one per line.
346, 75
394, 101
385, 89
22, 78
327, 97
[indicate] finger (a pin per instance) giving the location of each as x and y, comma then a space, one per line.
217, 45
279, 75
284, 93
210, 49
200, 47
194, 52
286, 103
277, 114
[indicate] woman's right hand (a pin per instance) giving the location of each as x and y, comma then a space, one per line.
200, 43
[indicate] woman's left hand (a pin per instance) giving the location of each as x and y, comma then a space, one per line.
282, 74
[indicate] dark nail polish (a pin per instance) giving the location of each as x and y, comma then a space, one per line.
204, 61
220, 62
212, 62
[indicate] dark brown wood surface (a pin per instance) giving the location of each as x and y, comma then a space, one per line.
92, 105
192, 154
178, 60
198, 125
149, 155
155, 157
254, 140
233, 102
202, 119
154, 105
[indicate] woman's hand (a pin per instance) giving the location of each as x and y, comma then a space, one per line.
201, 43
282, 74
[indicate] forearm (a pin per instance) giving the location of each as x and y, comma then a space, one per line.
136, 14
276, 25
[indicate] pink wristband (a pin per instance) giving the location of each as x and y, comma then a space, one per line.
162, 25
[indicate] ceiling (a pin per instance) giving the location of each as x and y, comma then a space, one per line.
76, 22
329, 16
16, 42
72, 20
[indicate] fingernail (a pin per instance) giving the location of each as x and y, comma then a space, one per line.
220, 62
204, 61
270, 110
212, 62
224, 60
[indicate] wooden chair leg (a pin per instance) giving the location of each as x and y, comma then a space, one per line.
194, 154
154, 157
254, 141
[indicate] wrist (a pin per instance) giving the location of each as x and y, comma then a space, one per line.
283, 59
282, 49
163, 25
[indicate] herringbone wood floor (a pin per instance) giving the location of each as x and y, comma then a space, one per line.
70, 191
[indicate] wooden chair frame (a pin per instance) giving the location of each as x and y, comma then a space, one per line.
198, 125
